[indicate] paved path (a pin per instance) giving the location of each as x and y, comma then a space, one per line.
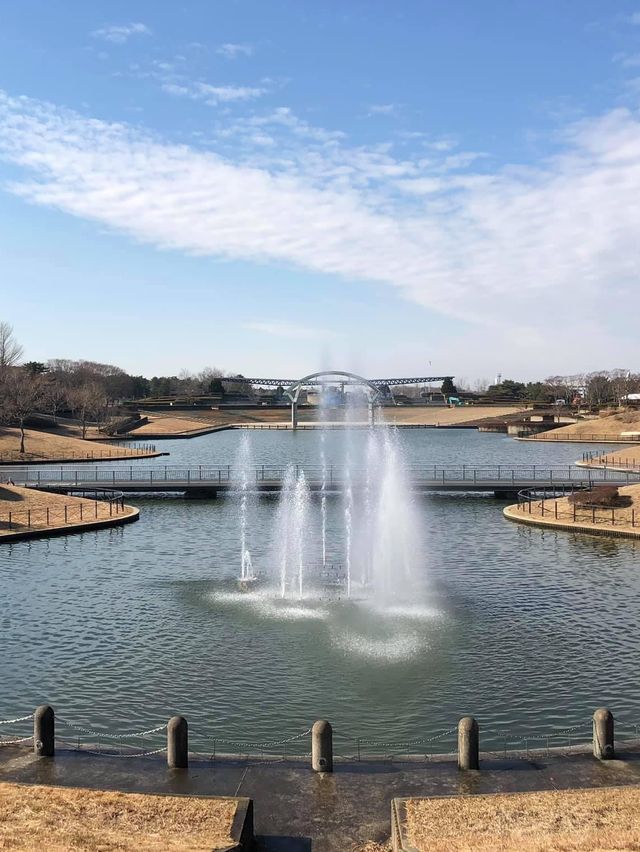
297, 810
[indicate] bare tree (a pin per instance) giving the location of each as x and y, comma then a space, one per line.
10, 349
88, 403
55, 398
22, 396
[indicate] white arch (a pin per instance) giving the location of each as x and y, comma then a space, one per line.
293, 391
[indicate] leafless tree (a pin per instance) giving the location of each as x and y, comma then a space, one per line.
10, 349
22, 396
88, 402
55, 397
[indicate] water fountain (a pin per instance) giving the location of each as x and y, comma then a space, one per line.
243, 470
375, 538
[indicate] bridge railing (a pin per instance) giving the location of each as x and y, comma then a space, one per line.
230, 476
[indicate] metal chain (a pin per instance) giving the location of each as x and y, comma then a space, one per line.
12, 721
112, 754
78, 747
13, 742
122, 736
439, 736
263, 744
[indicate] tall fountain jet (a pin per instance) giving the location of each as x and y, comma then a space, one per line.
370, 530
293, 531
243, 473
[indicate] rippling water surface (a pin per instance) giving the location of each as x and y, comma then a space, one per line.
527, 629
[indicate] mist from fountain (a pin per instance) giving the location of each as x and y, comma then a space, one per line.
376, 529
243, 470
397, 546
292, 531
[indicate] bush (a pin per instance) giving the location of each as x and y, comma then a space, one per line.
602, 496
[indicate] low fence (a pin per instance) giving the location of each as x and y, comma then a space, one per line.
543, 503
603, 458
175, 738
9, 456
104, 505
590, 437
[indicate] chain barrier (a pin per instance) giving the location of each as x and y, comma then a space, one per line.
262, 745
13, 721
425, 741
399, 747
121, 736
80, 748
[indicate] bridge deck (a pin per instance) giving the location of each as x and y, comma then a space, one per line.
265, 478
274, 486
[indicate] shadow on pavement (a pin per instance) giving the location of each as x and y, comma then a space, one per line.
283, 844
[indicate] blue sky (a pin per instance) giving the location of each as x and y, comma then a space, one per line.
279, 186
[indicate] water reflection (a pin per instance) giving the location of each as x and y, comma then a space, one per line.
528, 629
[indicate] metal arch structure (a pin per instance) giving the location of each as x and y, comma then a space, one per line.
273, 383
294, 386
293, 391
339, 376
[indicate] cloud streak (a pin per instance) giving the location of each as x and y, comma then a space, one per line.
233, 51
120, 33
529, 252
212, 95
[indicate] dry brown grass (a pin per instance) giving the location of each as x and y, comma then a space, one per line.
22, 501
401, 415
44, 445
626, 519
58, 819
563, 821
170, 425
610, 427
432, 416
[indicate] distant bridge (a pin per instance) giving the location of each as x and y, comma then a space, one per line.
206, 480
318, 380
292, 387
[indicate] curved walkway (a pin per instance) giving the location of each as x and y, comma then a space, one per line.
26, 513
562, 515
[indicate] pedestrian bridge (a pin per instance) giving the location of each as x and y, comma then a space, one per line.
208, 480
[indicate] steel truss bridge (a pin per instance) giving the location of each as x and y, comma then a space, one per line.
206, 480
379, 383
292, 387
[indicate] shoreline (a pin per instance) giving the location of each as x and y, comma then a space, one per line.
82, 460
513, 513
28, 513
130, 517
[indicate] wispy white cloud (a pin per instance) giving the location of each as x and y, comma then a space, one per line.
120, 33
212, 95
289, 330
536, 254
233, 51
382, 109
627, 60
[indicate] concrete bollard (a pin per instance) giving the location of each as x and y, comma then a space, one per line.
322, 747
44, 735
177, 743
603, 734
468, 743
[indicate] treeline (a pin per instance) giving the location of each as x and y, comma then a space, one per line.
603, 387
89, 391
